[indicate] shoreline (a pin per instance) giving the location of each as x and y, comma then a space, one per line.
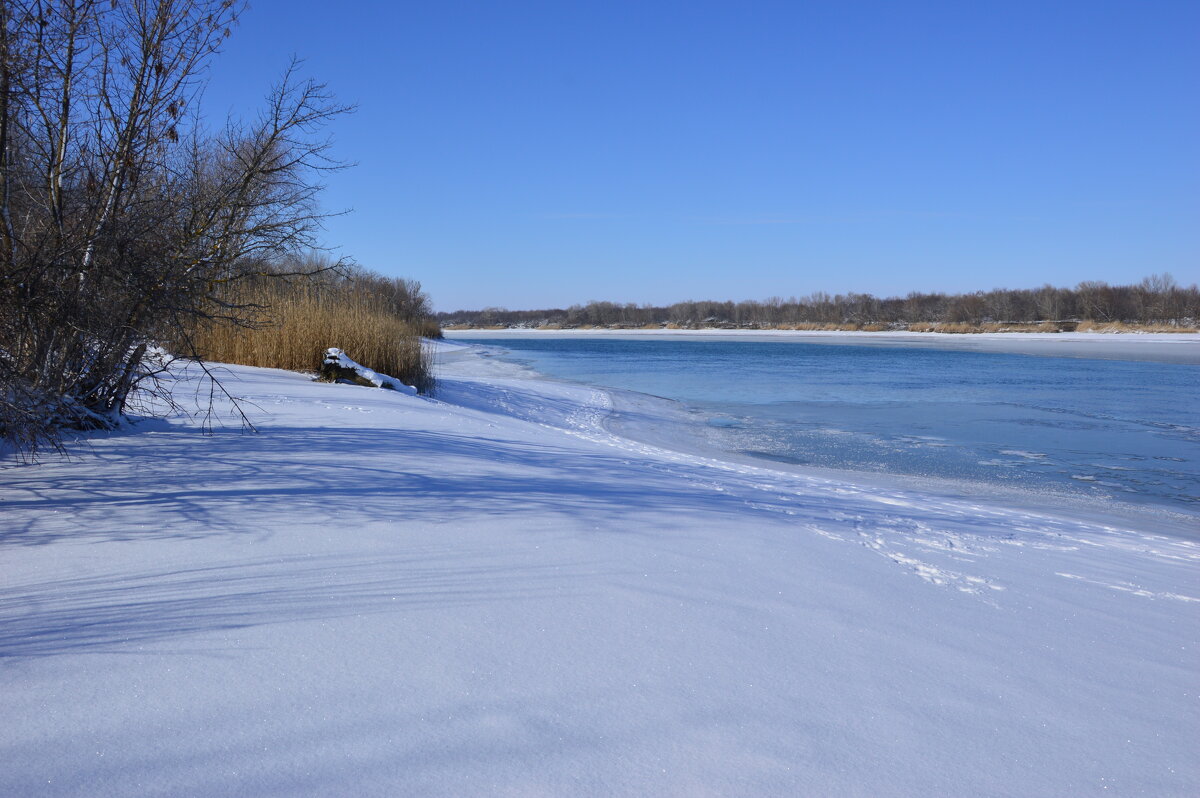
1123, 329
1151, 347
688, 443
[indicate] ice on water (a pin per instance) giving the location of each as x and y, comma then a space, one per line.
1109, 430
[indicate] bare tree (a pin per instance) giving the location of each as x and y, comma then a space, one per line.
121, 216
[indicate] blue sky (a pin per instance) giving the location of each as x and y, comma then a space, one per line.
526, 154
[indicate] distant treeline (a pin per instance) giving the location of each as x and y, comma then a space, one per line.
1157, 300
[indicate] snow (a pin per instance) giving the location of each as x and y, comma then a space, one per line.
489, 593
335, 356
1158, 347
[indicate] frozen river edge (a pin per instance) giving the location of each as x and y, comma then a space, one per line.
490, 593
1155, 347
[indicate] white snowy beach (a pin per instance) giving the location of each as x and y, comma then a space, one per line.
489, 593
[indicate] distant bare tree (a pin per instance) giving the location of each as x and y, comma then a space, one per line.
1157, 299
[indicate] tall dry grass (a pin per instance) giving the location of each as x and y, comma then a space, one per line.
1120, 326
292, 323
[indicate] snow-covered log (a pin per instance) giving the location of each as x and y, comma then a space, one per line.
337, 366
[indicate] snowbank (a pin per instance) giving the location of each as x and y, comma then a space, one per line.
382, 594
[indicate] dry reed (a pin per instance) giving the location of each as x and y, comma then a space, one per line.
296, 322
1121, 326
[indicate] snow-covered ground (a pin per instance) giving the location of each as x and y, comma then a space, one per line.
490, 594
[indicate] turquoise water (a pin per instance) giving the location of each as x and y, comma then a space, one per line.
1116, 430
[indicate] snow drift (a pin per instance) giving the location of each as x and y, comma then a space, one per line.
488, 593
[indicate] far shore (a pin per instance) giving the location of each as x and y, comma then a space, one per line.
1153, 347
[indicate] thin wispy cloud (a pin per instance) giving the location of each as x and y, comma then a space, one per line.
583, 215
850, 218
